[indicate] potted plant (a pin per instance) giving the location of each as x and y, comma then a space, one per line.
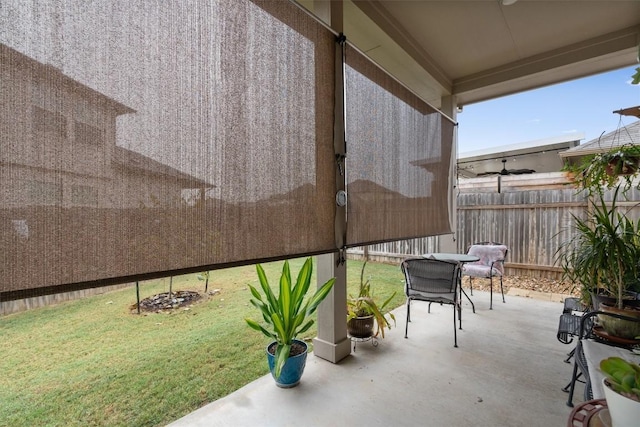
604, 170
603, 257
364, 314
286, 316
622, 391
603, 253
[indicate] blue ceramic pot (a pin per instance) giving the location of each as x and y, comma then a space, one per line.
292, 369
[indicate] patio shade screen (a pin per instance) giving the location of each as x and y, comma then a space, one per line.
398, 158
141, 139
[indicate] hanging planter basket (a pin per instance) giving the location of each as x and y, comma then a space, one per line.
619, 166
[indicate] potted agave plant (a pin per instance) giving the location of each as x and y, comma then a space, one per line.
286, 316
365, 318
622, 391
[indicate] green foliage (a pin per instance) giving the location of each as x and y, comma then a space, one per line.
622, 376
365, 305
635, 79
287, 315
604, 252
597, 172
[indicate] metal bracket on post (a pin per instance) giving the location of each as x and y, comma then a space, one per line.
342, 256
340, 162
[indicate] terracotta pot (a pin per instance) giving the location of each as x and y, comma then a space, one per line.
360, 327
621, 328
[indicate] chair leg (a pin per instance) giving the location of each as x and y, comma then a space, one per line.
455, 333
572, 387
470, 286
569, 356
462, 292
406, 329
459, 306
429, 308
501, 289
490, 292
566, 388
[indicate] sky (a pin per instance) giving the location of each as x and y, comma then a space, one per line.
583, 105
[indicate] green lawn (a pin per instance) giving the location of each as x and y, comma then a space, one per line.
92, 362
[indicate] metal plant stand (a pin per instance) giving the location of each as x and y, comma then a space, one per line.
356, 340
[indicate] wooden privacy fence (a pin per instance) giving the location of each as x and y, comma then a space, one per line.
395, 252
531, 214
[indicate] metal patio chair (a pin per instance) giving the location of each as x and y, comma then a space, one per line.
490, 264
432, 281
569, 323
587, 336
569, 327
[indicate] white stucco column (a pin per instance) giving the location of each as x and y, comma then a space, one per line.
332, 343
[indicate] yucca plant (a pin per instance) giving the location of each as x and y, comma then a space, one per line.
288, 314
605, 251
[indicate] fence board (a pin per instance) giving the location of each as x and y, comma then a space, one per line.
532, 215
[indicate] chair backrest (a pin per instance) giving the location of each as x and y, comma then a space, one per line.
489, 253
425, 277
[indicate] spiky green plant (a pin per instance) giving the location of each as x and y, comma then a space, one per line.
604, 252
287, 315
365, 305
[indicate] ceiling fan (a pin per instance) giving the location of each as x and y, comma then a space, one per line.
506, 171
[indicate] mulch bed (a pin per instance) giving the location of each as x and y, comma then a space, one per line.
522, 282
164, 302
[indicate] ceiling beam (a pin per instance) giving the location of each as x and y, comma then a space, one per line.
378, 14
623, 42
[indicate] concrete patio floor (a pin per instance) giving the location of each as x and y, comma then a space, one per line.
507, 371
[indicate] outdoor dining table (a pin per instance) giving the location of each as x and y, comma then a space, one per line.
460, 259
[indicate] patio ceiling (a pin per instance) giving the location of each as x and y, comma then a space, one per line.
481, 49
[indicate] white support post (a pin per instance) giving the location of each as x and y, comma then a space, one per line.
332, 342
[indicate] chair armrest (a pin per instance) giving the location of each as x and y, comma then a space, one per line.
497, 261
